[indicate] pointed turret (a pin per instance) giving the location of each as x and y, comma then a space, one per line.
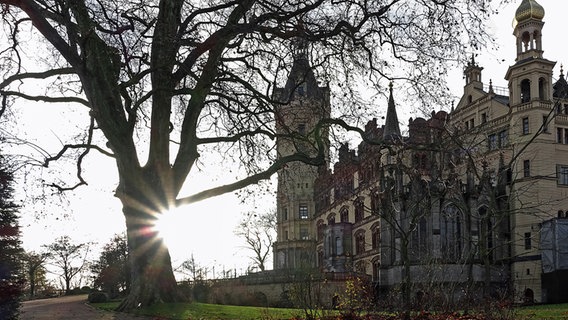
301, 81
561, 86
391, 131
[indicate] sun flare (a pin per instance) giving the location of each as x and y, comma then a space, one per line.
167, 225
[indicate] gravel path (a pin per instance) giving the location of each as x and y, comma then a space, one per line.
69, 308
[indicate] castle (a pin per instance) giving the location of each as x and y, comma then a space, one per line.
470, 199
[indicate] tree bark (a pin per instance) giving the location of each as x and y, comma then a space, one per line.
152, 277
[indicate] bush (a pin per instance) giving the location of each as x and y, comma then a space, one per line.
98, 297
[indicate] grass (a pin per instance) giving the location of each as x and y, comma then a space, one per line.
197, 310
185, 311
544, 312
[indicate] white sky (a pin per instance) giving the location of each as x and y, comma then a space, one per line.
206, 229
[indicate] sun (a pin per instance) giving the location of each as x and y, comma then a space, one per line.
167, 225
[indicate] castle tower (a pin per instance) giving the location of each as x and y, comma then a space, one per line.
532, 143
303, 103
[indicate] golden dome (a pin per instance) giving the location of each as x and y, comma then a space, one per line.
529, 9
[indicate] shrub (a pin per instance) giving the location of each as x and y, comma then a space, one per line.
98, 297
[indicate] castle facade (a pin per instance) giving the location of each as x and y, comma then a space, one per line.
459, 205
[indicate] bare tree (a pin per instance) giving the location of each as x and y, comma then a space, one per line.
69, 258
166, 83
259, 232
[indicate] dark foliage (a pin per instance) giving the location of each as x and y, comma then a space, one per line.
112, 271
11, 280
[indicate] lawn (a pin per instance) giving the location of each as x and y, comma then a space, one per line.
185, 311
544, 312
196, 310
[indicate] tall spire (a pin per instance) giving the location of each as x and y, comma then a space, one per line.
391, 130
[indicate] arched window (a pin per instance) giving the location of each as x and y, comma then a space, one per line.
331, 219
359, 210
528, 296
344, 215
525, 91
360, 242
320, 227
486, 230
542, 89
560, 214
451, 233
375, 237
376, 269
419, 239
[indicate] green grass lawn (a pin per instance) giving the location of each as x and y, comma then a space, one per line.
544, 312
196, 310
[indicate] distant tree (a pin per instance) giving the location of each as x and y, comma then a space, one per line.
70, 259
112, 270
192, 270
34, 269
161, 85
259, 232
195, 276
11, 280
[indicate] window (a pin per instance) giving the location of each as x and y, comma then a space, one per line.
285, 214
338, 246
559, 135
483, 118
303, 210
344, 215
544, 124
451, 233
492, 141
525, 91
526, 168
320, 229
526, 125
360, 243
359, 211
528, 241
565, 136
304, 235
331, 219
302, 128
376, 238
562, 173
503, 138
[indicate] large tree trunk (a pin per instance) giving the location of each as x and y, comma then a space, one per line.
152, 278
